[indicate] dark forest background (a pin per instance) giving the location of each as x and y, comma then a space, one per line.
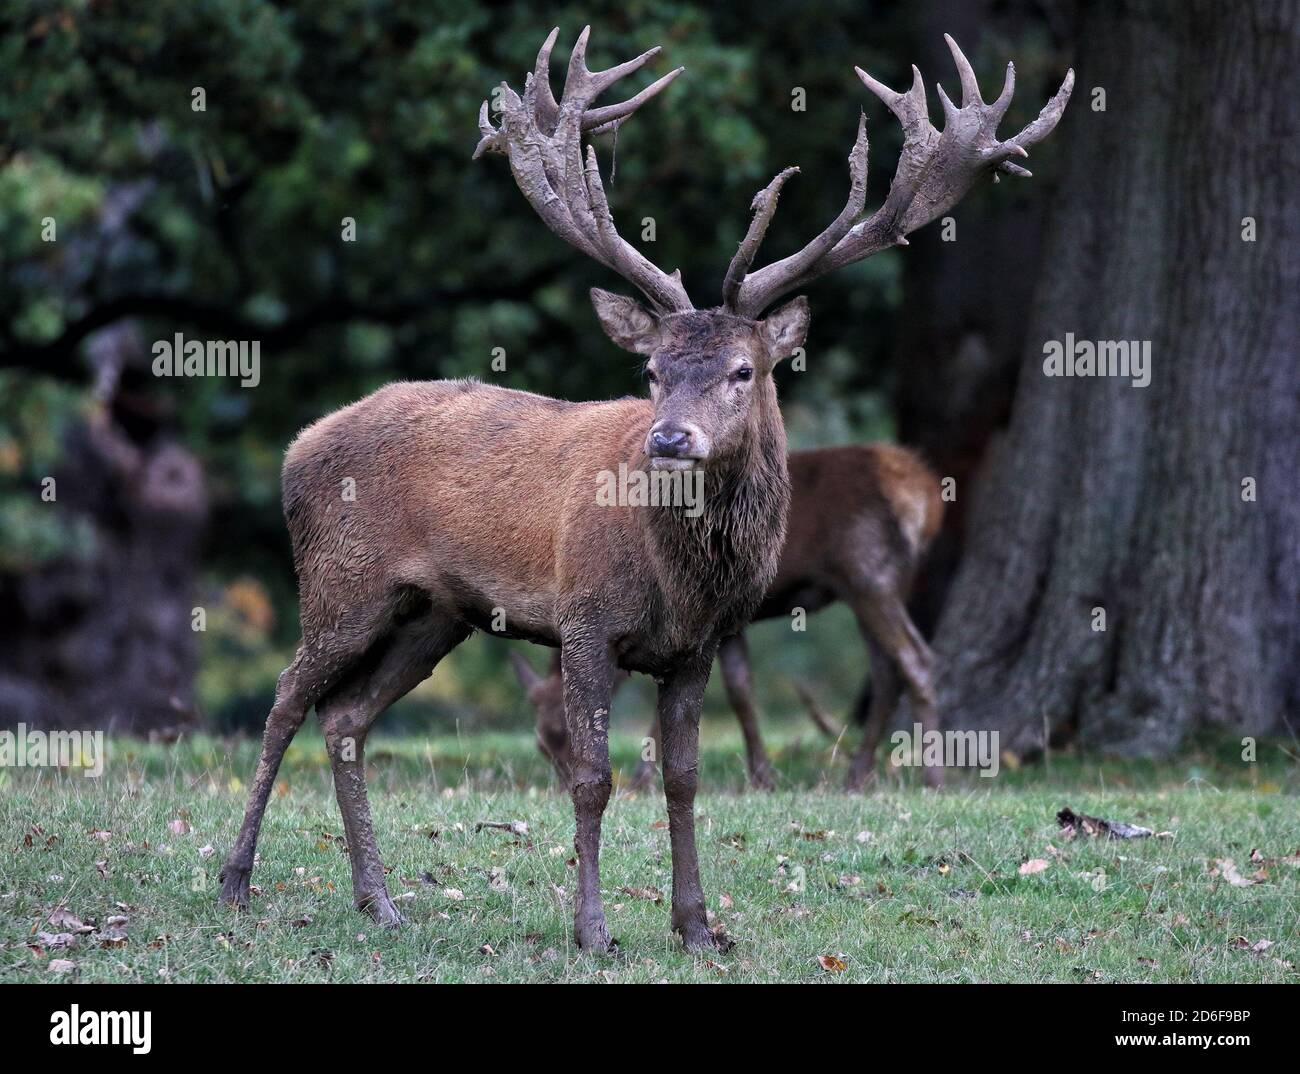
227, 223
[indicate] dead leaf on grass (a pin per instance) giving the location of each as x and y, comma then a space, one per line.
1227, 869
1256, 948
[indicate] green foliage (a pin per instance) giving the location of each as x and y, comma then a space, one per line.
227, 222
33, 417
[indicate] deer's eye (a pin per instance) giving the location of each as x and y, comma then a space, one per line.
651, 376
745, 372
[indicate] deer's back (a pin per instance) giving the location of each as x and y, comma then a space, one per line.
860, 515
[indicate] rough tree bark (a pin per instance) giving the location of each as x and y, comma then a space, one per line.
1131, 499
962, 328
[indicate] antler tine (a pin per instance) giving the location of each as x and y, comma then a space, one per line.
546, 108
602, 80
1048, 118
488, 134
543, 139
748, 298
763, 207
600, 120
626, 260
934, 172
1000, 106
912, 111
577, 71
970, 87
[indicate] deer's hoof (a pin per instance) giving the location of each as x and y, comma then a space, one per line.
934, 777
382, 910
860, 777
594, 936
699, 937
234, 886
762, 779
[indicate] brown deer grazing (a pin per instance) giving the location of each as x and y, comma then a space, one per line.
861, 518
425, 511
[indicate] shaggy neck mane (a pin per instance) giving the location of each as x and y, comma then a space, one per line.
716, 566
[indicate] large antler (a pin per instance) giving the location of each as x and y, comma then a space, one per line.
543, 140
935, 170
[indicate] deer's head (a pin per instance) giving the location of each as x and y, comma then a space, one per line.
710, 370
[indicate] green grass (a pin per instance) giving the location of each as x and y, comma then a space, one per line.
931, 892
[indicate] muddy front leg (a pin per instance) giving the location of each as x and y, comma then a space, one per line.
680, 697
588, 669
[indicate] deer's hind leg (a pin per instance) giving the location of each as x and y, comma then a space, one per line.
399, 663
883, 615
320, 662
733, 658
875, 706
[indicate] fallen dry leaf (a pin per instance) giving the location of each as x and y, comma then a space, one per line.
832, 964
61, 965
1256, 948
1034, 865
64, 919
651, 894
1227, 868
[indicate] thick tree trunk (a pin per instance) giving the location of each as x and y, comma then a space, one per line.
1130, 499
962, 328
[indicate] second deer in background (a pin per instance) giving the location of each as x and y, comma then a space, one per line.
861, 519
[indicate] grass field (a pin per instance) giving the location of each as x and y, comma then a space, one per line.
898, 885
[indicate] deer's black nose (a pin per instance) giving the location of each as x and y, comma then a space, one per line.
670, 442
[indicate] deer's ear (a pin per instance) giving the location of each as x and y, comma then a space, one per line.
626, 322
785, 330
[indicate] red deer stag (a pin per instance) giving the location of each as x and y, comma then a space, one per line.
465, 499
861, 517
